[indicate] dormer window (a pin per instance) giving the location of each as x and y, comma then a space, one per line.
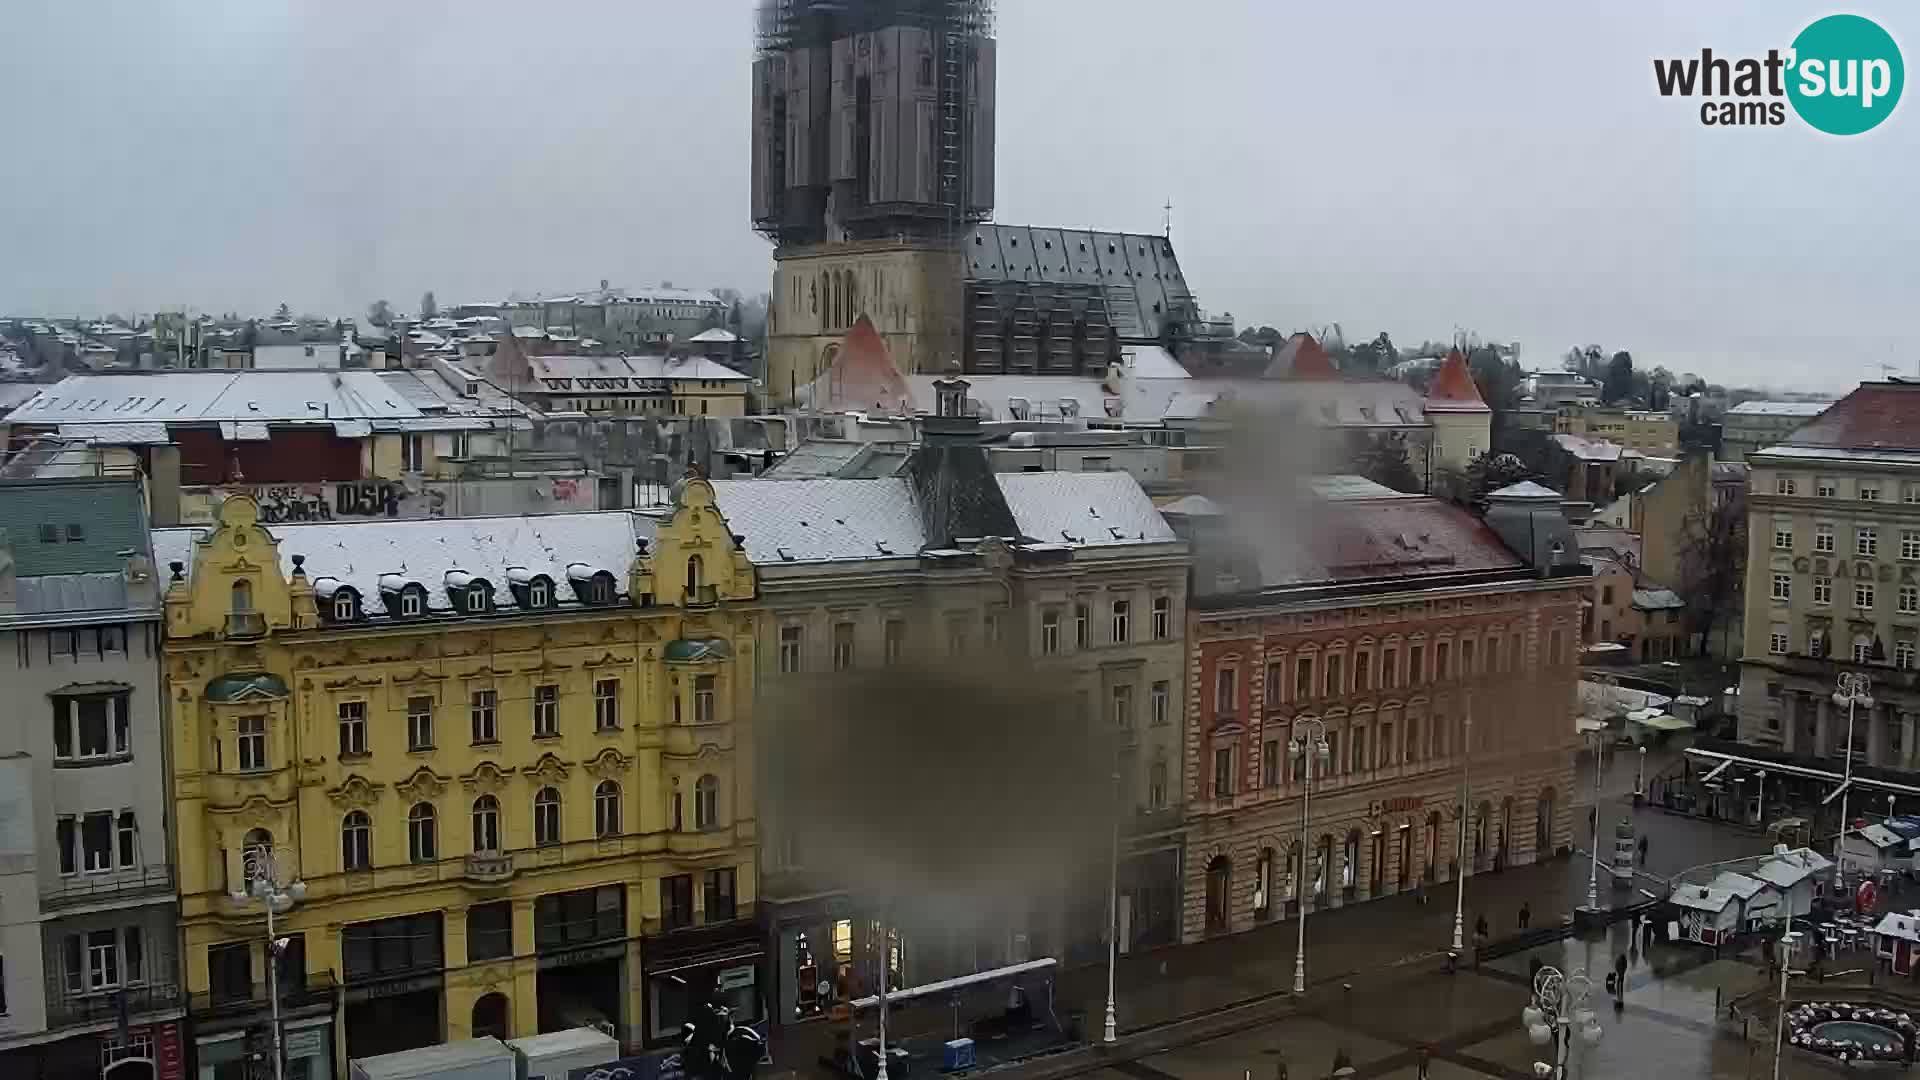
538, 593
600, 591
343, 606
410, 605
477, 599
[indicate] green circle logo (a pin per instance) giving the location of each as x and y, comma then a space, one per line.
1846, 75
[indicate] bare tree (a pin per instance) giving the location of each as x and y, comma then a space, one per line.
1713, 559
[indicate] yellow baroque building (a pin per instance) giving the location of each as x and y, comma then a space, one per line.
495, 772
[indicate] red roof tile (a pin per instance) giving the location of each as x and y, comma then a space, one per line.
1453, 389
1303, 358
863, 376
1875, 416
1376, 539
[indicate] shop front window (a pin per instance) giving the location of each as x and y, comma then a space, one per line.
672, 996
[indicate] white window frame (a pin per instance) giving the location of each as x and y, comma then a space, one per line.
1863, 595
1122, 704
251, 731
793, 640
1050, 632
1162, 618
1161, 697
606, 704
1866, 541
1783, 536
87, 862
1122, 622
1826, 488
547, 817
343, 606
119, 733
546, 710
1777, 641
353, 726
1784, 485
1903, 655
410, 604
606, 809
1782, 587
538, 594
483, 716
420, 723
1822, 591
1823, 538
1868, 492
1910, 544
1909, 600
706, 695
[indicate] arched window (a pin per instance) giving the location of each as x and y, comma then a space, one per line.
1543, 825
546, 817
852, 285
421, 842
1219, 895
486, 824
343, 606
1432, 870
606, 809
490, 1016
1322, 870
256, 851
537, 593
693, 577
356, 841
242, 596
1483, 821
706, 802
1350, 861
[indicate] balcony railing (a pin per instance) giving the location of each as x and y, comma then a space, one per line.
490, 868
106, 888
65, 1009
246, 624
317, 989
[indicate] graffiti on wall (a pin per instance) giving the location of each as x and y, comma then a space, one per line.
362, 500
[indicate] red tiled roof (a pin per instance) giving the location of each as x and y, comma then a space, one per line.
863, 376
1875, 416
1375, 539
1302, 358
1453, 389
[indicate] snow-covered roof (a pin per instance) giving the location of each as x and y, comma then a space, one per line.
1525, 489
1780, 408
836, 520
1346, 486
1702, 898
715, 335
1880, 836
1899, 924
359, 554
188, 396
1790, 868
1739, 885
671, 368
1589, 449
1657, 599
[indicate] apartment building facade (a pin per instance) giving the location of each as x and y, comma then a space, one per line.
90, 966
508, 760
1439, 670
1833, 581
948, 567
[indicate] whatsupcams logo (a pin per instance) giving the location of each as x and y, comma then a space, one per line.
1842, 75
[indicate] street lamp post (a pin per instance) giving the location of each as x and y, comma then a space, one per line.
1598, 739
1640, 775
265, 883
886, 965
1788, 939
1308, 745
1110, 1034
1558, 1013
1463, 863
1854, 690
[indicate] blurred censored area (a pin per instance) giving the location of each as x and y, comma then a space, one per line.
957, 795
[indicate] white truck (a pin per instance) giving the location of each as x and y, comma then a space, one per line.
473, 1059
555, 1055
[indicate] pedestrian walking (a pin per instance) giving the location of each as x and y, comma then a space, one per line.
1480, 927
1426, 1061
1643, 849
1526, 915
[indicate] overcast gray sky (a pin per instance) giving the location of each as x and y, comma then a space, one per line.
1506, 167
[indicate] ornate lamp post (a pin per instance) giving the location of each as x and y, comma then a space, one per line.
1558, 1013
1463, 865
1308, 746
1640, 776
277, 894
1854, 690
